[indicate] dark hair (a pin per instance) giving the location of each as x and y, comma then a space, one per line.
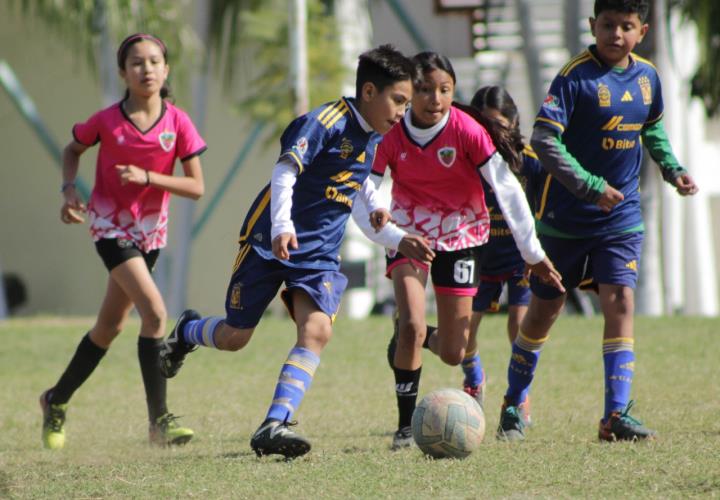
639, 7
507, 140
131, 40
383, 66
429, 61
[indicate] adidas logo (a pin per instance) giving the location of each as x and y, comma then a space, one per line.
627, 97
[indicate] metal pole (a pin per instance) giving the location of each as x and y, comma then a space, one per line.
185, 209
298, 56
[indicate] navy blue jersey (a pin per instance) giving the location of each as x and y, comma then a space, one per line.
599, 112
500, 256
333, 155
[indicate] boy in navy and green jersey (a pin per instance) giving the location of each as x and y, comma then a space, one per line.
292, 234
602, 107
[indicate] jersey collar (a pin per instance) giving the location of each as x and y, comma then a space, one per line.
361, 121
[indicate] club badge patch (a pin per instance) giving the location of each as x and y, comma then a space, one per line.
301, 146
447, 156
167, 141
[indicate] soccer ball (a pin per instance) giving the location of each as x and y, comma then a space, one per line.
448, 424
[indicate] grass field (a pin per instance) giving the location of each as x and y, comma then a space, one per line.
349, 415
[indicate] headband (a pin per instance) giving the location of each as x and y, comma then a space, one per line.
136, 37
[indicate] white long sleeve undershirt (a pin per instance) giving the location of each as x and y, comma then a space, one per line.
390, 235
514, 206
283, 180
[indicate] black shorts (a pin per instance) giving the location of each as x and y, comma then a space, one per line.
115, 251
452, 273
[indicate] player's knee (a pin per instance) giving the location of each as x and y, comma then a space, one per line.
317, 334
154, 318
234, 340
412, 332
452, 357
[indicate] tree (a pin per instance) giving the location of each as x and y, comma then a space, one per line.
705, 14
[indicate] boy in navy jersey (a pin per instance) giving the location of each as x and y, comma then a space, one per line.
602, 107
292, 234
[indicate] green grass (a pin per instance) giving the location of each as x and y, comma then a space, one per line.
349, 415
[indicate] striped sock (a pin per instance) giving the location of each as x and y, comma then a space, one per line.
202, 331
521, 370
473, 369
295, 378
619, 361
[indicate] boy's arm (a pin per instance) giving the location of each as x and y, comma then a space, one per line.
366, 203
282, 230
658, 145
556, 159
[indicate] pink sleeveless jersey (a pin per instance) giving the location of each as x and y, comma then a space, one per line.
437, 192
135, 212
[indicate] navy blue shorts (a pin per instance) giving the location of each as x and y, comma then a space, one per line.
488, 295
607, 260
256, 281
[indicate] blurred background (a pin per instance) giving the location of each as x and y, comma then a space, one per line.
244, 69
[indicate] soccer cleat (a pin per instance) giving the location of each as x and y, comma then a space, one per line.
476, 391
174, 349
511, 425
392, 345
53, 433
165, 431
274, 437
402, 438
620, 426
524, 411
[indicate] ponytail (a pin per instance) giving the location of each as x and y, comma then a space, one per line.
507, 140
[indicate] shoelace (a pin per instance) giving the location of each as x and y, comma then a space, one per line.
626, 417
167, 421
56, 418
513, 411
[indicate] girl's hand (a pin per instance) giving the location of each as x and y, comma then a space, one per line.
685, 185
72, 210
281, 243
545, 270
378, 218
132, 174
416, 247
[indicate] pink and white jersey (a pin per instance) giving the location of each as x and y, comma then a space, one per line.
436, 190
135, 212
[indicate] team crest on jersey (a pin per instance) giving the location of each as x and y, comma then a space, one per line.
551, 102
346, 148
301, 146
446, 156
235, 296
167, 141
604, 97
646, 90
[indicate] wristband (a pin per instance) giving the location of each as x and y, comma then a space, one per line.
66, 185
147, 177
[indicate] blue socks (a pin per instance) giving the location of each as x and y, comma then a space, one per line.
619, 361
473, 369
295, 378
521, 370
201, 331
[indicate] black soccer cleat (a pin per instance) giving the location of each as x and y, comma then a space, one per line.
274, 437
402, 439
174, 349
511, 427
620, 426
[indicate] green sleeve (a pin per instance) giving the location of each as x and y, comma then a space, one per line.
657, 143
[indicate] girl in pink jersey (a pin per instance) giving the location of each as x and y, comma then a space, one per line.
140, 139
436, 156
